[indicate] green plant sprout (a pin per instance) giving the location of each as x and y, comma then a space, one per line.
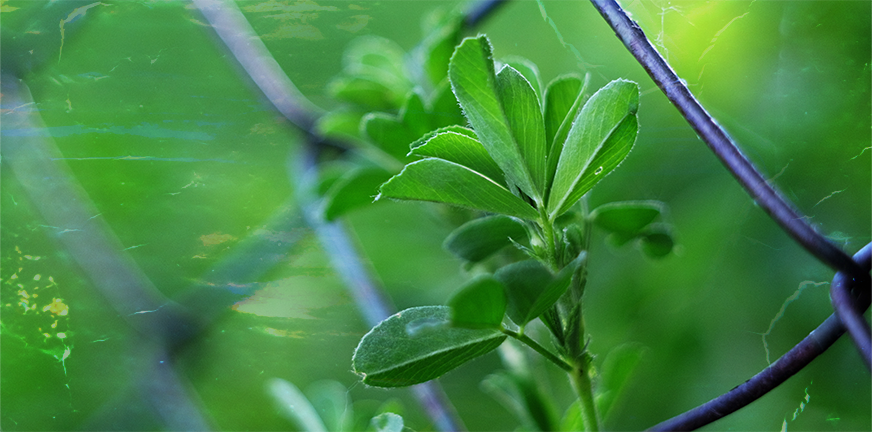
526, 162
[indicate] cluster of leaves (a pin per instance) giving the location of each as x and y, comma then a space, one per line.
390, 99
526, 162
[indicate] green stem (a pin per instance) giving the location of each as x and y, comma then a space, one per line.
582, 385
538, 348
550, 245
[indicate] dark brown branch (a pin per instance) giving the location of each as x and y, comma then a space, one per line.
720, 143
790, 363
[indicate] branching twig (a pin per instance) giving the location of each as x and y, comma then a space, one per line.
790, 363
720, 143
852, 319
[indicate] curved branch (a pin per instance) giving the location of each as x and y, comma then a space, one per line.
480, 11
852, 319
720, 143
790, 363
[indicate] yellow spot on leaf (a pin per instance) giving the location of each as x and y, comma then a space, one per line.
215, 239
57, 307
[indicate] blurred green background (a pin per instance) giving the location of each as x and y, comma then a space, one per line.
184, 158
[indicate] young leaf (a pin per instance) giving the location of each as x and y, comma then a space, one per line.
601, 137
528, 69
474, 82
481, 303
521, 106
531, 288
560, 95
462, 150
394, 354
294, 406
555, 144
447, 182
482, 237
355, 189
394, 134
626, 217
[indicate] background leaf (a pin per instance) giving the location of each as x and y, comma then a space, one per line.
294, 406
480, 238
393, 354
626, 217
357, 188
388, 422
617, 369
438, 180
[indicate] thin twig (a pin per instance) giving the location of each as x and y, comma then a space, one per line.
843, 303
818, 341
720, 143
480, 11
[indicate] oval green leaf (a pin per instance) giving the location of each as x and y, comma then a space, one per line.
391, 355
480, 238
442, 181
626, 217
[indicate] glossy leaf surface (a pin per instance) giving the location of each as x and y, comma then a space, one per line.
601, 137
474, 82
417, 345
522, 110
442, 181
463, 150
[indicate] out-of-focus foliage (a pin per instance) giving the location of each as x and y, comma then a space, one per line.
184, 159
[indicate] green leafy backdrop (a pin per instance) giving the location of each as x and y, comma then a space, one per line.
184, 159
